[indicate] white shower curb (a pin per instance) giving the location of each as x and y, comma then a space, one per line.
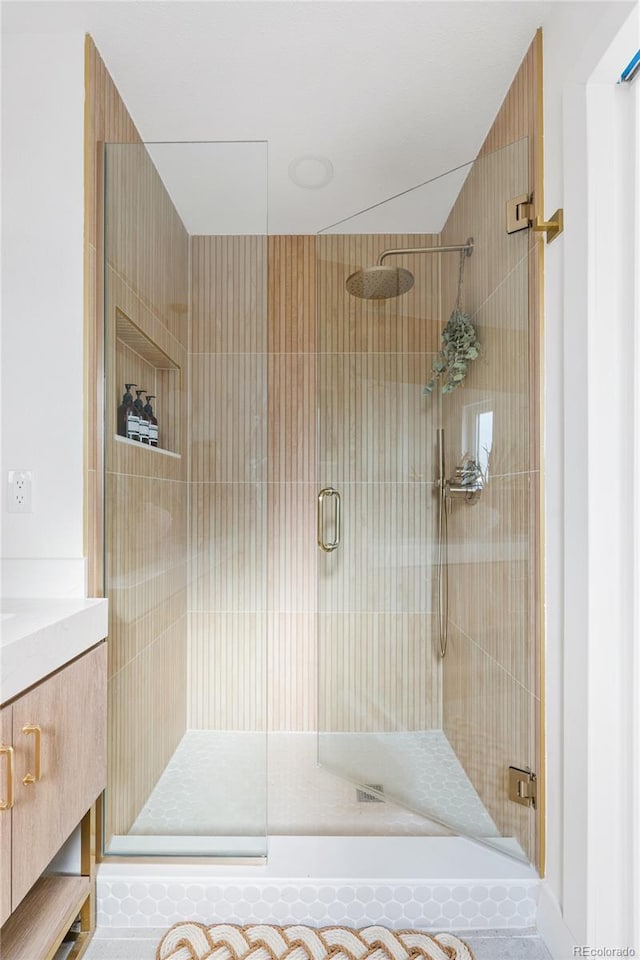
444, 883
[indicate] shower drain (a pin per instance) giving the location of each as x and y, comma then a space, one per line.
364, 797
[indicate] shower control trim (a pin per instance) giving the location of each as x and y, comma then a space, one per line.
328, 493
468, 483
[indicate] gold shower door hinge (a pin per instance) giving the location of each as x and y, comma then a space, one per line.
521, 215
522, 786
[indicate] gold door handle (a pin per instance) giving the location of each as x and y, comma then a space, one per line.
28, 730
8, 753
325, 494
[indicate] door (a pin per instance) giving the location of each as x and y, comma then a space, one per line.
435, 734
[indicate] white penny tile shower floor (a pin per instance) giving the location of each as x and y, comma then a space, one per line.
215, 785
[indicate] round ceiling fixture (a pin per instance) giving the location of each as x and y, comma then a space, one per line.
311, 172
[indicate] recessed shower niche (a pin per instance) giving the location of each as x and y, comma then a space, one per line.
141, 363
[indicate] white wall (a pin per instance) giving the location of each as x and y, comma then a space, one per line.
588, 477
42, 289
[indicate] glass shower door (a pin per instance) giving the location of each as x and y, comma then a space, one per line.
432, 735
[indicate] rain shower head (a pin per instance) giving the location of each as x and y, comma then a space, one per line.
385, 283
379, 283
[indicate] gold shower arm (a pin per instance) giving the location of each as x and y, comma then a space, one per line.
467, 247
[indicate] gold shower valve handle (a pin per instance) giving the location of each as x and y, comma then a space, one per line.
7, 752
32, 729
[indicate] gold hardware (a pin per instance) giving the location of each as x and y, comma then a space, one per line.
521, 215
322, 496
28, 729
8, 753
553, 227
522, 786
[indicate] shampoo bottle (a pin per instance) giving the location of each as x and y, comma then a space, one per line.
142, 417
126, 413
153, 422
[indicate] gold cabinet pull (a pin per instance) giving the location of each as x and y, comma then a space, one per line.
28, 730
8, 753
325, 494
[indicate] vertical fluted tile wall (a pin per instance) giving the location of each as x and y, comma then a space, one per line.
255, 409
378, 668
143, 274
292, 554
228, 483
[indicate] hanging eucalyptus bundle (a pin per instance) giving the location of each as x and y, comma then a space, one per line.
459, 346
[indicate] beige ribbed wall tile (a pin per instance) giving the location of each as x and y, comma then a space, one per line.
381, 428
108, 120
146, 572
489, 574
385, 561
292, 294
228, 671
292, 671
137, 205
94, 487
152, 610
292, 549
480, 209
518, 114
377, 672
229, 294
91, 360
120, 296
228, 463
346, 324
228, 547
376, 424
228, 422
145, 528
489, 720
292, 416
146, 721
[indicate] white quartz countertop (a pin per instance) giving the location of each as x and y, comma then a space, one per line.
39, 636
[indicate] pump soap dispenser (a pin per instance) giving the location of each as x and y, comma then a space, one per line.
153, 422
127, 415
143, 418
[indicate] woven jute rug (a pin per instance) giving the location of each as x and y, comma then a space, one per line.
225, 941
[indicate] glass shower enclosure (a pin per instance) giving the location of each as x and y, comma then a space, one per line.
288, 567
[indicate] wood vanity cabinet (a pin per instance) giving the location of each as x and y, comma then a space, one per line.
6, 791
57, 732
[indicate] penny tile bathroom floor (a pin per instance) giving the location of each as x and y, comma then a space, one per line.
215, 785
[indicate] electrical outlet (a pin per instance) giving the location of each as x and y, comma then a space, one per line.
20, 491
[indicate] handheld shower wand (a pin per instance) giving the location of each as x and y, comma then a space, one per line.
443, 564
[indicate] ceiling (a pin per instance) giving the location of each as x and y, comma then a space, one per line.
391, 93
